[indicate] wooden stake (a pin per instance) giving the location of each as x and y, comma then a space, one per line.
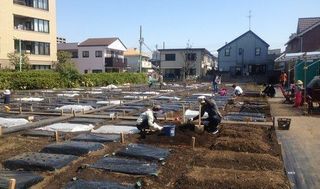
193, 142
12, 184
31, 108
1, 132
273, 121
83, 111
20, 110
74, 113
200, 114
61, 112
122, 137
78, 101
124, 112
57, 136
183, 112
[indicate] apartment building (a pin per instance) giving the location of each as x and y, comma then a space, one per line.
133, 59
195, 61
29, 25
96, 55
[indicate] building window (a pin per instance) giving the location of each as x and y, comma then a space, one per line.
40, 4
85, 71
96, 71
227, 52
240, 51
31, 24
191, 56
74, 54
33, 47
170, 57
98, 54
85, 54
258, 51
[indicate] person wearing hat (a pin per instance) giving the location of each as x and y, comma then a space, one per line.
147, 120
298, 94
6, 96
214, 116
237, 91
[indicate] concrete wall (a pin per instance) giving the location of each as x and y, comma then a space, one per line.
8, 33
248, 43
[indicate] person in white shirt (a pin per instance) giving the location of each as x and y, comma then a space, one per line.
147, 120
237, 90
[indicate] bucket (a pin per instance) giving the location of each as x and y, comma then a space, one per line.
169, 130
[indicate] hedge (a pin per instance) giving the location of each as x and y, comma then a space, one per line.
37, 79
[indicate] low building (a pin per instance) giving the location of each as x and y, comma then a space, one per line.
307, 37
96, 55
195, 61
61, 40
133, 60
245, 55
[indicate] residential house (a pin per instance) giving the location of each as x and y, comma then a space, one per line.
307, 37
245, 55
29, 26
61, 40
133, 60
96, 55
195, 61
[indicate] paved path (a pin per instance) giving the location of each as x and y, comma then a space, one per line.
300, 145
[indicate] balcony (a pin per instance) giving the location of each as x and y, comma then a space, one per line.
39, 4
31, 24
115, 63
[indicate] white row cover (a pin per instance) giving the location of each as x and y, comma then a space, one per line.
77, 108
67, 127
111, 102
167, 90
67, 95
12, 122
169, 98
116, 129
135, 97
193, 113
94, 92
30, 99
109, 87
203, 94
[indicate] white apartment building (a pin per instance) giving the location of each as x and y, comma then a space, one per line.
96, 55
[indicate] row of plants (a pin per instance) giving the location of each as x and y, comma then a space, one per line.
66, 78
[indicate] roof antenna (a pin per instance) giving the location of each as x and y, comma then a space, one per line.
250, 16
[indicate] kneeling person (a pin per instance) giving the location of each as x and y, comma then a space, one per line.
147, 120
214, 116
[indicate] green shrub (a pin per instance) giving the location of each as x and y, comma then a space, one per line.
37, 79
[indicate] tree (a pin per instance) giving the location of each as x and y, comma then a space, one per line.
14, 59
67, 69
189, 59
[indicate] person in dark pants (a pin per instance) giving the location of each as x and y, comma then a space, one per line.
147, 121
214, 116
269, 91
6, 96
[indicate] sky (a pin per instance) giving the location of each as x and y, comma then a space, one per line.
204, 23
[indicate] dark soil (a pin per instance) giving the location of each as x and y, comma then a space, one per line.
202, 178
237, 160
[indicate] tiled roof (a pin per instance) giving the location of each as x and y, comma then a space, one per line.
134, 52
98, 42
305, 23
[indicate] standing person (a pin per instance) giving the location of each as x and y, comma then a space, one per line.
161, 80
214, 116
147, 120
283, 78
214, 83
150, 80
218, 82
298, 94
237, 90
6, 96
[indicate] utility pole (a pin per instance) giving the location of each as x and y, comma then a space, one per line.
140, 49
20, 56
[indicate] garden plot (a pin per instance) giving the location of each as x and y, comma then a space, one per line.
93, 137
116, 129
23, 179
76, 108
67, 127
38, 161
96, 185
12, 122
72, 148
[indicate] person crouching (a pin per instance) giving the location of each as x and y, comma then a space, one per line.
147, 121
